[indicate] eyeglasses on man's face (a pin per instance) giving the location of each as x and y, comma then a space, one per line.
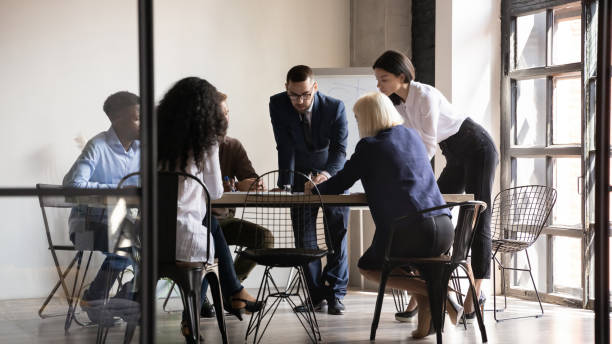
301, 97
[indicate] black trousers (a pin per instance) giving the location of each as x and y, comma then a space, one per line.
471, 160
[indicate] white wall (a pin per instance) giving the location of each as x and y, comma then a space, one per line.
468, 62
60, 59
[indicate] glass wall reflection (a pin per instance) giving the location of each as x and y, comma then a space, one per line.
69, 109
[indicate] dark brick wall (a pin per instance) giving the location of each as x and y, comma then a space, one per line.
423, 40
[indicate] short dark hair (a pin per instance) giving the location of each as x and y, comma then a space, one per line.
299, 73
397, 64
189, 122
118, 101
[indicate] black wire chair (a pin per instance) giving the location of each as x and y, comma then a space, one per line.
519, 214
299, 236
435, 271
187, 276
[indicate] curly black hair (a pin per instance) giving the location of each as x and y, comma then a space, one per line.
190, 120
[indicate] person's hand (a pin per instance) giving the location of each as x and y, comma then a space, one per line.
319, 178
250, 184
308, 186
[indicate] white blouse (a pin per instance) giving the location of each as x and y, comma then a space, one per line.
191, 235
428, 112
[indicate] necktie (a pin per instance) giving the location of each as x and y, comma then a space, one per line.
306, 129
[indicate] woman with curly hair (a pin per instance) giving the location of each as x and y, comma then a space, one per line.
190, 120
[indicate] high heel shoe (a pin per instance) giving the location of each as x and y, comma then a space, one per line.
249, 307
407, 315
456, 308
469, 317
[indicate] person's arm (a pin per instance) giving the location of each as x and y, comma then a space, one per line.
353, 170
83, 168
243, 168
429, 114
286, 152
337, 144
212, 173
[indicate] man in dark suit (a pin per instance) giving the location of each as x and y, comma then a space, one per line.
311, 132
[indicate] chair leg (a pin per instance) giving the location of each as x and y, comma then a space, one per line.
437, 281
535, 289
534, 285
168, 297
60, 282
72, 304
479, 318
215, 290
379, 301
129, 332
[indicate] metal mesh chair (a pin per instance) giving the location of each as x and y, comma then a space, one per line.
435, 271
298, 237
519, 214
186, 275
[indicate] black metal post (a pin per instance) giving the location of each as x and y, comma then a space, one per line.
148, 168
602, 175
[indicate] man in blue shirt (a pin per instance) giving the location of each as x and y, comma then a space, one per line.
106, 158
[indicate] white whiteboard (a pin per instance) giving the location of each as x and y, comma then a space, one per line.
347, 84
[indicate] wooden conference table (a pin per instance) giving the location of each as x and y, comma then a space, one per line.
238, 199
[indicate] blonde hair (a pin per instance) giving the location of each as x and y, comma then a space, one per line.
375, 112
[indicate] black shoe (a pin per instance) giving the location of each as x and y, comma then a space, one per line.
469, 317
335, 307
207, 310
318, 306
407, 315
249, 307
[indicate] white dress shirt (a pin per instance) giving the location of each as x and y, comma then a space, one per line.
428, 112
191, 235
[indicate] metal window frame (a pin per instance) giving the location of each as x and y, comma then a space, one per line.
510, 151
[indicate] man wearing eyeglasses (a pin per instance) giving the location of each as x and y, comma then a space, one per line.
311, 134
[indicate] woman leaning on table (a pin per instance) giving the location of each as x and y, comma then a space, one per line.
471, 157
394, 169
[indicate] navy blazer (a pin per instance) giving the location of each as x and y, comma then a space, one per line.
329, 135
397, 178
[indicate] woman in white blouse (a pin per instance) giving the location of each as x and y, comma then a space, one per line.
471, 156
190, 120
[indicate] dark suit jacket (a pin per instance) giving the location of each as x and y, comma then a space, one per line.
398, 181
329, 134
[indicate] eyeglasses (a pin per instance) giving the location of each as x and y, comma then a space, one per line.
303, 96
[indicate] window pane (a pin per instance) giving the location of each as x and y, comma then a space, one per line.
566, 34
531, 40
529, 171
566, 110
537, 256
567, 265
567, 210
530, 127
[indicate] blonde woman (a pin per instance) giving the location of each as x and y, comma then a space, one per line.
393, 166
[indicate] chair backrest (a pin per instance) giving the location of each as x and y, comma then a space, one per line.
469, 214
520, 213
51, 201
167, 198
289, 216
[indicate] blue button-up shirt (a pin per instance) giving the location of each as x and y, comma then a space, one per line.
101, 165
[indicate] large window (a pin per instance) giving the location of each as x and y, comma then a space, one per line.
544, 135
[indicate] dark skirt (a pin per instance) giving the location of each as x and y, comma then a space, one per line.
429, 237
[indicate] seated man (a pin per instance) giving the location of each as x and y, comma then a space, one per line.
235, 164
106, 158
